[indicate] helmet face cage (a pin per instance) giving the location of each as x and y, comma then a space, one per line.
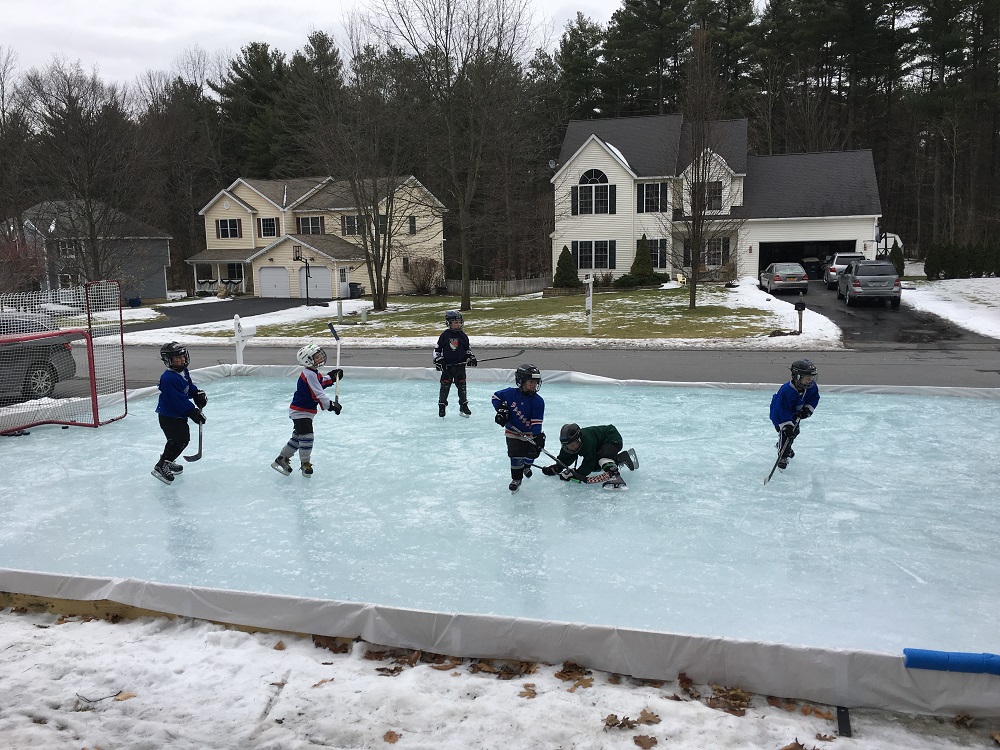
306, 356
525, 373
453, 315
171, 350
802, 367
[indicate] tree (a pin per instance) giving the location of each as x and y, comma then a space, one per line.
579, 60
896, 258
566, 276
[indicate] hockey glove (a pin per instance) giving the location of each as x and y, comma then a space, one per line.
335, 375
334, 407
568, 475
471, 361
788, 433
439, 363
540, 440
200, 399
550, 471
803, 414
503, 414
196, 416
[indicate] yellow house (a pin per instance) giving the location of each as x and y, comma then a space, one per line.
303, 238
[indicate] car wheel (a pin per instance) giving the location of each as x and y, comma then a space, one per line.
894, 304
39, 381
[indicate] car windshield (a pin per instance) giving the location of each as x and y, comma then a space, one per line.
882, 269
842, 259
789, 268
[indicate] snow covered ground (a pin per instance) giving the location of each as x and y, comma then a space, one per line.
184, 684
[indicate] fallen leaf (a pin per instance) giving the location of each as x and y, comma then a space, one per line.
391, 737
645, 741
787, 705
996, 737
323, 682
825, 737
795, 746
614, 680
529, 691
331, 643
584, 682
674, 697
648, 717
414, 658
376, 655
390, 671
124, 696
277, 684
964, 720
279, 646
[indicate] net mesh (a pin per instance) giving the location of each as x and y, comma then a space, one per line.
62, 357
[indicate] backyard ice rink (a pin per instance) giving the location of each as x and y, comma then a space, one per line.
879, 536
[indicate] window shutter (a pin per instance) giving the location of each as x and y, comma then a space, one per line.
413, 225
687, 253
343, 224
218, 232
663, 254
277, 226
725, 250
298, 225
239, 228
574, 200
663, 195
575, 251
640, 198
322, 225
260, 229
612, 200
611, 252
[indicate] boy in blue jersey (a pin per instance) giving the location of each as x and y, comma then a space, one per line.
795, 400
451, 356
309, 397
520, 411
179, 401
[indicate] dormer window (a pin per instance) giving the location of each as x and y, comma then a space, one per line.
593, 195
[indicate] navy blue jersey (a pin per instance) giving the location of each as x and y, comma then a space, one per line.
176, 390
453, 346
526, 412
787, 402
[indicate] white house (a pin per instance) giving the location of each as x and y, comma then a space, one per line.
619, 179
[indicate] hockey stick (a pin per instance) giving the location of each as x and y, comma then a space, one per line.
336, 385
530, 438
494, 359
197, 456
781, 452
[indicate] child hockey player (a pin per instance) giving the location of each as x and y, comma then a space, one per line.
597, 448
520, 411
795, 400
179, 401
309, 395
451, 356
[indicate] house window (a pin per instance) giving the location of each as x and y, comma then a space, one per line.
593, 195
413, 225
68, 248
268, 227
68, 280
658, 252
590, 254
652, 197
383, 224
234, 271
352, 225
228, 229
712, 194
601, 254
311, 225
406, 264
586, 256
343, 275
718, 251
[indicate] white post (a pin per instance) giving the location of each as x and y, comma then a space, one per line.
589, 281
242, 335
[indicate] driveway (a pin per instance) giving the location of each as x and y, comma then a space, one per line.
213, 312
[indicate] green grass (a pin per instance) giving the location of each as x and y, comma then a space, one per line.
638, 314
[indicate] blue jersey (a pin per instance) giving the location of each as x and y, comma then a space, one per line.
453, 346
309, 394
526, 412
788, 402
176, 390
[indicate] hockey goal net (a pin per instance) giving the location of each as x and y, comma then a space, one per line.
62, 357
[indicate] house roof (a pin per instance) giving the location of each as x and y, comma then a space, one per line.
226, 255
657, 145
65, 219
829, 183
285, 193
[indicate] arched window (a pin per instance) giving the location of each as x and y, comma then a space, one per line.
593, 195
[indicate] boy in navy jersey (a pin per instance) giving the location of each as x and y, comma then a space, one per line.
451, 355
520, 411
309, 397
795, 400
179, 401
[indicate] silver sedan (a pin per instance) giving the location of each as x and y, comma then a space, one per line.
784, 277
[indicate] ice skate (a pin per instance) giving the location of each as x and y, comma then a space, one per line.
174, 468
307, 469
441, 409
162, 472
514, 485
783, 463
629, 459
282, 465
615, 483
527, 472
463, 409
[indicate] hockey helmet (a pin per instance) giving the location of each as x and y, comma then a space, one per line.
306, 356
527, 372
568, 435
451, 316
802, 367
171, 350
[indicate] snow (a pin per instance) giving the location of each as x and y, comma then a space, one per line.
190, 684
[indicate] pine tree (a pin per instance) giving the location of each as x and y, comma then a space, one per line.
896, 257
642, 265
566, 276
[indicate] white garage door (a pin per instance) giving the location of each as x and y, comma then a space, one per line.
320, 282
274, 282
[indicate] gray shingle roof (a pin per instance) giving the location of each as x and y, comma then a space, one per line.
829, 183
727, 138
67, 219
226, 255
283, 193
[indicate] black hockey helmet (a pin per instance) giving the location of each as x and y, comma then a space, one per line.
527, 372
570, 433
451, 316
172, 349
802, 367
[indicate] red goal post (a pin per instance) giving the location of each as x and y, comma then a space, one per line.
62, 357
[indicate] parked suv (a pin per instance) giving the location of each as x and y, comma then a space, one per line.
31, 370
835, 265
870, 279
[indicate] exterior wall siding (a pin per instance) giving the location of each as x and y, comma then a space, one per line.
860, 229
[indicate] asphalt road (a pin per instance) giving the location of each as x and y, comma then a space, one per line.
885, 347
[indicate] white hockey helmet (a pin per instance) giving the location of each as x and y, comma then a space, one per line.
306, 356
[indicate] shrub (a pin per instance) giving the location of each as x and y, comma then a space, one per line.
424, 273
566, 275
896, 257
642, 264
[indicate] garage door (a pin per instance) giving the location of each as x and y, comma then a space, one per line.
274, 282
320, 282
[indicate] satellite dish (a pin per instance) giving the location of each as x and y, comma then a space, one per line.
552, 163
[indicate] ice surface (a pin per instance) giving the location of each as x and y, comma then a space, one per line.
881, 534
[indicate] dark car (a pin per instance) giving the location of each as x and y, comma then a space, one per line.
30, 370
870, 279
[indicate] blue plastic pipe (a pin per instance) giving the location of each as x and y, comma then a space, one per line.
952, 661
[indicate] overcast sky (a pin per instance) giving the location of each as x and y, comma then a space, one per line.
123, 38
